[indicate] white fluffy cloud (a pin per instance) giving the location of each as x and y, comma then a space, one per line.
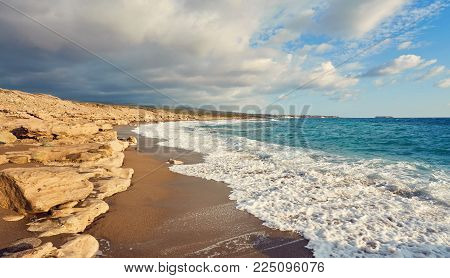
195, 51
401, 64
443, 84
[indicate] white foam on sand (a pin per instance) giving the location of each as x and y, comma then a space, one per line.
345, 207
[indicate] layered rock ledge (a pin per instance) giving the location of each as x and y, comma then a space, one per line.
73, 161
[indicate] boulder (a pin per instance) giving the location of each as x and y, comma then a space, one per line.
80, 246
118, 146
111, 186
72, 221
33, 190
108, 155
7, 137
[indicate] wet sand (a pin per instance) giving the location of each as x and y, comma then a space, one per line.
165, 214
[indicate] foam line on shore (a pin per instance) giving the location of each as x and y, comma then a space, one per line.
345, 207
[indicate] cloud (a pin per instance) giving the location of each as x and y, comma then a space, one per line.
443, 84
404, 45
323, 47
382, 82
378, 82
194, 51
315, 48
354, 18
327, 77
398, 65
427, 63
432, 72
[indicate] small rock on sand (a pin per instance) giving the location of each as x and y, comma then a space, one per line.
132, 140
175, 162
13, 217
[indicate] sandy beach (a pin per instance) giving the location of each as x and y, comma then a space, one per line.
78, 185
165, 214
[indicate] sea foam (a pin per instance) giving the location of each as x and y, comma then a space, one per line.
345, 207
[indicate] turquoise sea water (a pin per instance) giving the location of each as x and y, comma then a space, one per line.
352, 187
424, 140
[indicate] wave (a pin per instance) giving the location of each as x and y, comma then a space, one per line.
345, 207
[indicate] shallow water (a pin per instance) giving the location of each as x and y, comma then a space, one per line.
353, 187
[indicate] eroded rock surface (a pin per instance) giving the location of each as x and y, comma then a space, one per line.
77, 162
80, 246
34, 190
70, 220
110, 186
7, 137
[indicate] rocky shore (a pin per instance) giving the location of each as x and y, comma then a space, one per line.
59, 160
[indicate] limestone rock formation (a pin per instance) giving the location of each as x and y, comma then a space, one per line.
18, 157
13, 218
33, 190
20, 245
70, 220
110, 186
83, 162
7, 137
80, 246
46, 250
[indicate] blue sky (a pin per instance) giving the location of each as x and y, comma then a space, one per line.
235, 53
403, 94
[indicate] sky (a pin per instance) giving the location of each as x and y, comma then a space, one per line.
350, 58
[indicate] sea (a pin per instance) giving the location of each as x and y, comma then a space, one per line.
375, 187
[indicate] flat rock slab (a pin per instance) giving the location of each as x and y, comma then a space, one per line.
111, 186
70, 220
80, 246
13, 218
34, 190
